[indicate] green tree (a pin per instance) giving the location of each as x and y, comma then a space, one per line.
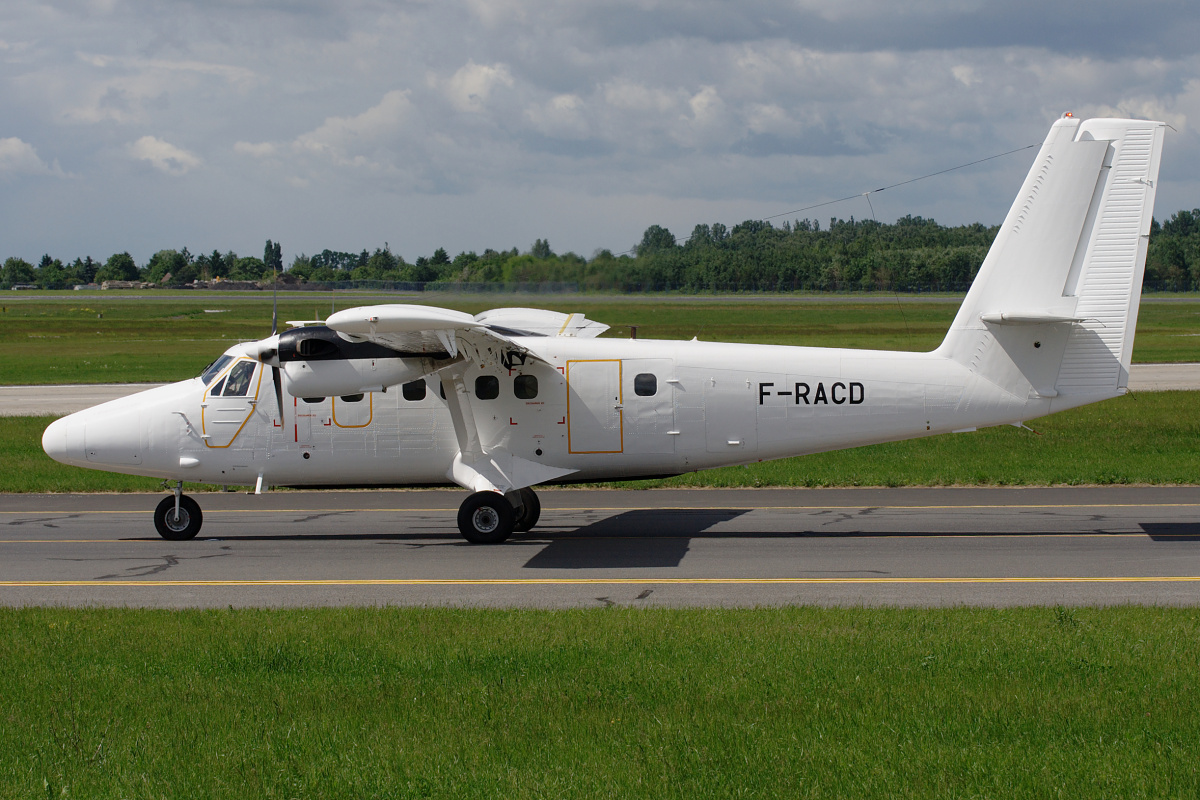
273, 256
541, 249
16, 270
51, 274
656, 239
119, 267
164, 263
439, 258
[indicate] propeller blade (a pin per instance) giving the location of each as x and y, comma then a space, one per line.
275, 376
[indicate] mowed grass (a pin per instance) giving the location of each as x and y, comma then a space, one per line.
1145, 438
767, 703
160, 337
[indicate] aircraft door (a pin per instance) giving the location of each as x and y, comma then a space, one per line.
649, 400
229, 403
595, 415
730, 412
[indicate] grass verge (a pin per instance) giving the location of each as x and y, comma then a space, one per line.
1144, 438
795, 702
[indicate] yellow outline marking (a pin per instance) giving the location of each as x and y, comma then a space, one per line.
566, 322
620, 401
253, 406
370, 409
601, 581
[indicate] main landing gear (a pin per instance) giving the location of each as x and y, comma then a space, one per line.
483, 518
178, 517
490, 518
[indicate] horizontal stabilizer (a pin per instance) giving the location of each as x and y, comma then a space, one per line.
1024, 318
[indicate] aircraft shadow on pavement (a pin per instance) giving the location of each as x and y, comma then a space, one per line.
648, 538
1172, 531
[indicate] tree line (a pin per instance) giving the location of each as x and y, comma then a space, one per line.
911, 255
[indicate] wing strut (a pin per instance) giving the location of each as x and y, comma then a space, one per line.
483, 469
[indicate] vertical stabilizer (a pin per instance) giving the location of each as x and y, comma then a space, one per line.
1054, 307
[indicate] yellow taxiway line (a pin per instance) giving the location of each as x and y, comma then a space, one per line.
597, 581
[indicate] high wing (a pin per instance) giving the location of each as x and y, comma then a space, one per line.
453, 341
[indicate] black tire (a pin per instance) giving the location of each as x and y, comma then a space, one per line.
485, 518
528, 513
188, 524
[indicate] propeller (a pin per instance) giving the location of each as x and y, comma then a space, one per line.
274, 350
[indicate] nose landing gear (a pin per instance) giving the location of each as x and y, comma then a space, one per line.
178, 518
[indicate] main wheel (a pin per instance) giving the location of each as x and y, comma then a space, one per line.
528, 512
182, 529
485, 518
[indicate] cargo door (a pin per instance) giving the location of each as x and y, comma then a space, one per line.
594, 409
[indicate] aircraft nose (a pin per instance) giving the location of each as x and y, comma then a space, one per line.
58, 441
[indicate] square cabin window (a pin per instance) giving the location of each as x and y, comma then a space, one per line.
238, 382
413, 391
645, 385
525, 387
487, 387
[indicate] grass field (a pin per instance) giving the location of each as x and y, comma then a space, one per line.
1143, 438
769, 703
153, 337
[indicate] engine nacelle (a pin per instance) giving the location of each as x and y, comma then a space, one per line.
319, 362
350, 376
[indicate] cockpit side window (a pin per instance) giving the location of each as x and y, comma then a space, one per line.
214, 369
239, 379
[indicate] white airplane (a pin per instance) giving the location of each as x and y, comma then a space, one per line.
513, 398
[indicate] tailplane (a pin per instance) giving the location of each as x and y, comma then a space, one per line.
1053, 309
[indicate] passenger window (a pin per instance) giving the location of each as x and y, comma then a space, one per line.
525, 387
238, 382
413, 391
487, 387
216, 392
645, 385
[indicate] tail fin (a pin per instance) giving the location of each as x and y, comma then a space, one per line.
1053, 309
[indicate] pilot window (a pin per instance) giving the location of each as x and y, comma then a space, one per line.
645, 385
525, 387
238, 383
487, 387
413, 391
214, 369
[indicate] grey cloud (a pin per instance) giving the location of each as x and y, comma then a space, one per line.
1105, 28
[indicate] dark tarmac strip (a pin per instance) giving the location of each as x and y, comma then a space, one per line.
919, 547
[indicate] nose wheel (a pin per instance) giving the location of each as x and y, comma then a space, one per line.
181, 526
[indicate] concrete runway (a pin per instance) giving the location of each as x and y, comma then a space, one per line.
921, 547
23, 401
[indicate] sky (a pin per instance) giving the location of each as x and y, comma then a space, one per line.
139, 125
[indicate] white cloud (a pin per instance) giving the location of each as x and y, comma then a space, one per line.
164, 156
20, 158
256, 150
348, 139
469, 88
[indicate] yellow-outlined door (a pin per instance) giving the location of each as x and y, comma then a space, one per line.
595, 420
229, 402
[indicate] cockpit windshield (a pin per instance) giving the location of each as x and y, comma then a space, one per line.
214, 369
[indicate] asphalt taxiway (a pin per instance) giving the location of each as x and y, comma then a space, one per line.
922, 547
